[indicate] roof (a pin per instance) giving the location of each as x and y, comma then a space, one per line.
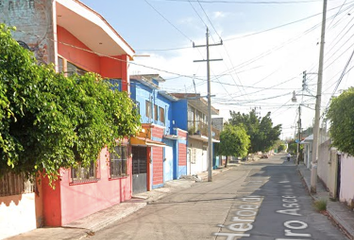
308, 139
149, 80
91, 29
196, 101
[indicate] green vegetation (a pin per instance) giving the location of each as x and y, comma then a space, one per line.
262, 134
49, 121
341, 116
234, 141
320, 205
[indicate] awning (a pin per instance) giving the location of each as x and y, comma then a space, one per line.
140, 141
307, 140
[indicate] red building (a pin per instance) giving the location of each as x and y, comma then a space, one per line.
77, 40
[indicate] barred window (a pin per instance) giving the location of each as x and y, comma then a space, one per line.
84, 174
118, 162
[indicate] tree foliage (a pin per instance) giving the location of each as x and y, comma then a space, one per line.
234, 141
49, 121
261, 131
341, 116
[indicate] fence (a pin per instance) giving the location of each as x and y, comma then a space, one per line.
15, 184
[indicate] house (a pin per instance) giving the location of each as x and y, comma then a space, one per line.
160, 150
307, 143
218, 124
192, 115
63, 35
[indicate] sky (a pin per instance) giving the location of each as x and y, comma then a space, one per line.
266, 47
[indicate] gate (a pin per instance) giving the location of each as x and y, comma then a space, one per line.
139, 169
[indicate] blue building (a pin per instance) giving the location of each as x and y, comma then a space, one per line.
160, 149
192, 115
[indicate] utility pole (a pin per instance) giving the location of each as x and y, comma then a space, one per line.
210, 146
316, 129
299, 137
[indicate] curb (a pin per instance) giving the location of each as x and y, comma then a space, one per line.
347, 230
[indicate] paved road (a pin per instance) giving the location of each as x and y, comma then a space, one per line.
261, 200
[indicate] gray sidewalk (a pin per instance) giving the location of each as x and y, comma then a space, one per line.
99, 220
339, 212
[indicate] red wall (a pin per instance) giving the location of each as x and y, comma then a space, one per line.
51, 203
182, 154
157, 132
69, 202
108, 67
86, 60
157, 156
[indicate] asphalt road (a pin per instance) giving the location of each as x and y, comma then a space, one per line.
259, 201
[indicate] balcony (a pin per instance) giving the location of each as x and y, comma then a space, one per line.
201, 129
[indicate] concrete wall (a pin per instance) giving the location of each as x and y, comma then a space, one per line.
199, 154
347, 180
17, 214
328, 167
323, 160
34, 22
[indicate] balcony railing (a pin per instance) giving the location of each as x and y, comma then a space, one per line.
201, 128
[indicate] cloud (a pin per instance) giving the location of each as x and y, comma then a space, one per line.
218, 14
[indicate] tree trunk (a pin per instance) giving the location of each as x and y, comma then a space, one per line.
226, 161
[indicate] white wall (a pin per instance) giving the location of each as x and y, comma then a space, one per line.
17, 214
347, 179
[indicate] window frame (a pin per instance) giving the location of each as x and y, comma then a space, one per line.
156, 112
148, 109
92, 171
162, 114
122, 158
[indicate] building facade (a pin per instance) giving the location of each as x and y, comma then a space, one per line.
161, 141
63, 35
192, 115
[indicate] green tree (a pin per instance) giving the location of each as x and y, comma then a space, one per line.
49, 121
281, 147
261, 131
234, 141
341, 116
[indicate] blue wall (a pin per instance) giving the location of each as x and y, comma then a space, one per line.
142, 93
180, 111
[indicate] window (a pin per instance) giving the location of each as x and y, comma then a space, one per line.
84, 174
148, 109
72, 69
118, 162
156, 116
69, 68
61, 65
162, 115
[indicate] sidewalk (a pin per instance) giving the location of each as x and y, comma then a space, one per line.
340, 214
99, 220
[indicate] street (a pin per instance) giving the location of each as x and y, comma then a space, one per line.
257, 200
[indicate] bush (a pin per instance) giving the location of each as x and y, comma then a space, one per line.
341, 115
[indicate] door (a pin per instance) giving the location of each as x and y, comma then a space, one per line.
339, 167
139, 169
168, 164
